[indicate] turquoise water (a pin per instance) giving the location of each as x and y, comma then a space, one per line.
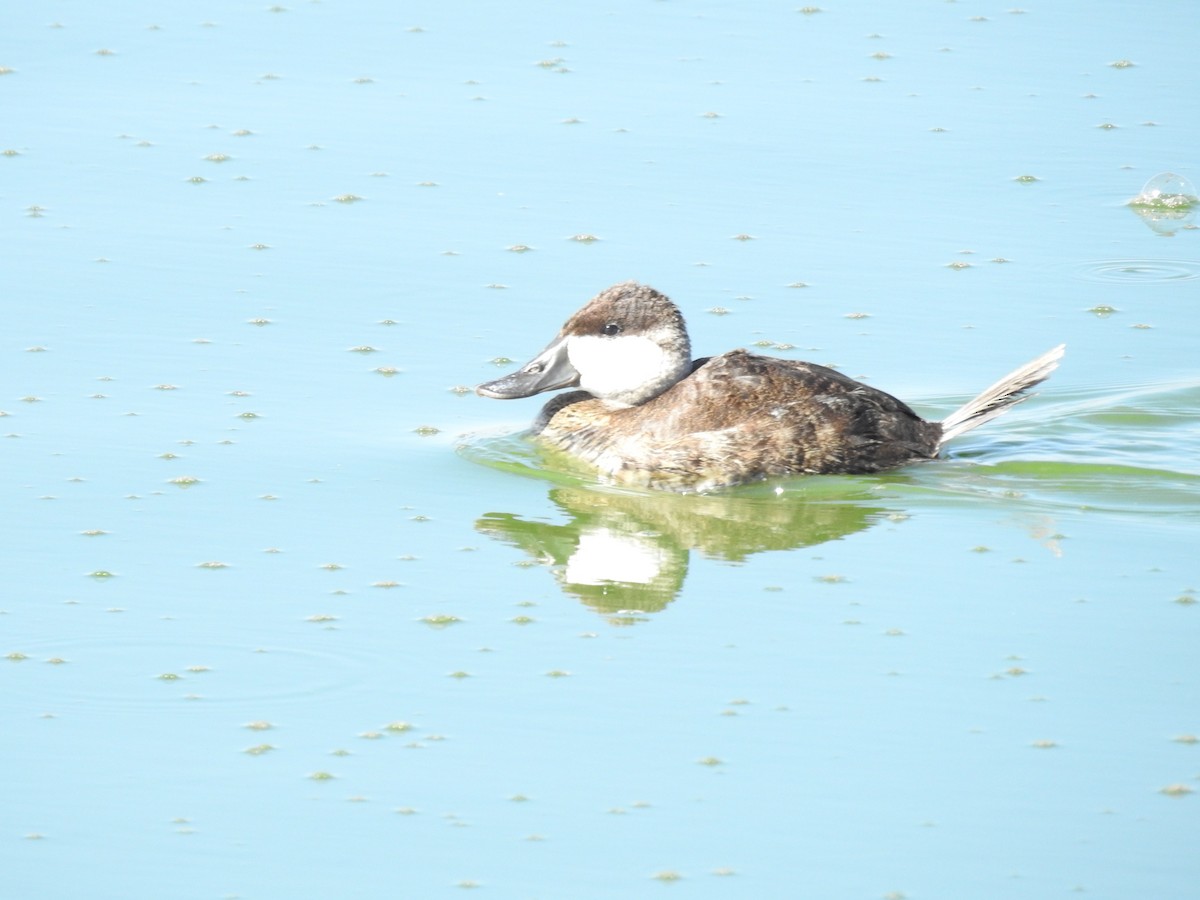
287, 613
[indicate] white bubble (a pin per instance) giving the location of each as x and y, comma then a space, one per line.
1166, 204
1167, 191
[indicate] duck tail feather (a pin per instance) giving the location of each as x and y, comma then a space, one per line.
1004, 394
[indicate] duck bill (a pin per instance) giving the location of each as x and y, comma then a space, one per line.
548, 371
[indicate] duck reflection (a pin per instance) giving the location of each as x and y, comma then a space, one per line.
626, 554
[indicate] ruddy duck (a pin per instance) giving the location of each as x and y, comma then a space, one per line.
649, 415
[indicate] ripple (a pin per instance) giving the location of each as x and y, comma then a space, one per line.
1139, 271
513, 451
151, 675
1127, 449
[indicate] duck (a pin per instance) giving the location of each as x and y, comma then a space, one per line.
645, 414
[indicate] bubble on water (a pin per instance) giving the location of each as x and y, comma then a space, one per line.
1167, 191
1166, 203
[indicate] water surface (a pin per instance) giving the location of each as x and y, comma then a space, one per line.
289, 613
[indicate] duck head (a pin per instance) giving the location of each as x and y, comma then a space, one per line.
627, 345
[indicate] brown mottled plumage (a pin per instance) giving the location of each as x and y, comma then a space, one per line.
649, 416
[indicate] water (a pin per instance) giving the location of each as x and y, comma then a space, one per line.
287, 613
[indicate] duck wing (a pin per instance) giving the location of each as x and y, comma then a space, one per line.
785, 417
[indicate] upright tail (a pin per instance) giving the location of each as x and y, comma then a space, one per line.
1008, 391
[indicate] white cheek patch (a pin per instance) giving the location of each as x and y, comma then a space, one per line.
610, 367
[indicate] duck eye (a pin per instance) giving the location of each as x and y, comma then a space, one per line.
611, 328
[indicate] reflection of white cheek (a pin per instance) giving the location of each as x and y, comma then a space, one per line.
610, 366
604, 556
